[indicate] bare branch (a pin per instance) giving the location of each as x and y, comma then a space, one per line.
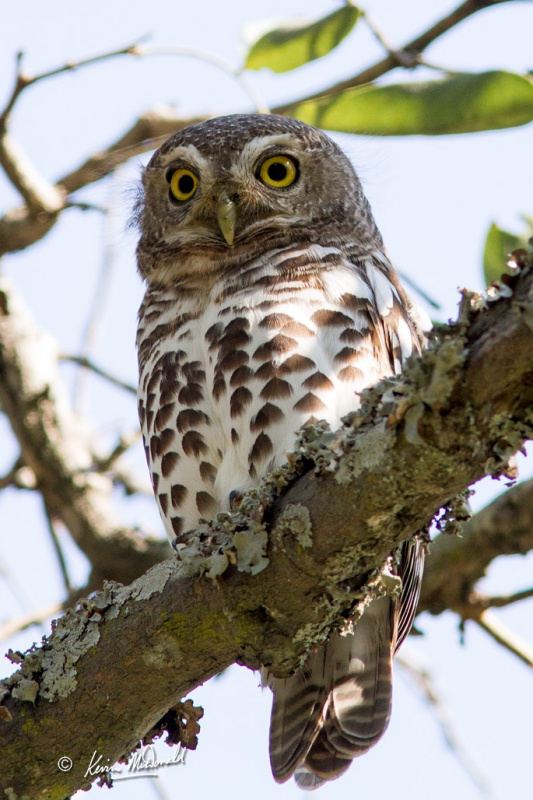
131, 483
403, 58
56, 545
14, 626
147, 133
126, 441
226, 66
10, 478
457, 564
19, 228
86, 363
22, 80
503, 635
39, 195
424, 681
54, 446
506, 600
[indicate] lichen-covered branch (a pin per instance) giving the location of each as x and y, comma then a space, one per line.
102, 680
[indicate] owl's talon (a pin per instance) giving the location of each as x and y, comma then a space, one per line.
234, 499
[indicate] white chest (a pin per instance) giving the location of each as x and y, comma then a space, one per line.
224, 389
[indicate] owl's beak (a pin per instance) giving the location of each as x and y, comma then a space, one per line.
227, 216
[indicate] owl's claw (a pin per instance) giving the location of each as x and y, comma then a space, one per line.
234, 499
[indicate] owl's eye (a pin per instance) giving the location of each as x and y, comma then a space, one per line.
183, 184
279, 171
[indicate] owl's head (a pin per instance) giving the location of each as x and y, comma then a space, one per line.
221, 192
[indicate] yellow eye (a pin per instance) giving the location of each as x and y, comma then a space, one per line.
278, 171
183, 184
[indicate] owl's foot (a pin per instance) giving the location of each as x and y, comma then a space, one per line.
234, 500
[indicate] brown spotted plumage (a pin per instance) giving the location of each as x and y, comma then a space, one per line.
270, 303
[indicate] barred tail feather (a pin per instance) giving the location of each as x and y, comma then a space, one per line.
296, 718
338, 706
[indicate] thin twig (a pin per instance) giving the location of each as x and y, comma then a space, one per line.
506, 637
10, 478
22, 81
507, 599
83, 206
404, 58
59, 552
421, 292
126, 441
158, 788
86, 363
423, 679
14, 626
38, 193
226, 66
101, 293
131, 484
18, 589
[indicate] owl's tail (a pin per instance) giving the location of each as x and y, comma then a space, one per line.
338, 706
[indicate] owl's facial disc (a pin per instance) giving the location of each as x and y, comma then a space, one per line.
228, 200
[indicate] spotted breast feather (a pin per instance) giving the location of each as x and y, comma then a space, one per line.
293, 338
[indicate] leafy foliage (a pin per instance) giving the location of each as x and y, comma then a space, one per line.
297, 41
462, 103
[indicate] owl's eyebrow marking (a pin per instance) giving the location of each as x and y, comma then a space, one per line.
263, 145
188, 153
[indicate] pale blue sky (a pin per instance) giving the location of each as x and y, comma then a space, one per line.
433, 198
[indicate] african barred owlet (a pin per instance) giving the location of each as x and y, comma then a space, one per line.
270, 303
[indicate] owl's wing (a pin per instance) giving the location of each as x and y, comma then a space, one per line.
411, 571
338, 707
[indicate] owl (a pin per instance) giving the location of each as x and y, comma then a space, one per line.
270, 304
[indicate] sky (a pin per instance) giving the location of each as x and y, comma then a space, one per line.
433, 198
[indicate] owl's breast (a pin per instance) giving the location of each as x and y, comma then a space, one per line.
225, 388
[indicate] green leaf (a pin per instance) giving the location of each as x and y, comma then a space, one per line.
498, 245
458, 104
295, 42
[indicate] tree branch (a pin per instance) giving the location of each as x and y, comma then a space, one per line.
456, 564
507, 638
19, 228
422, 678
53, 444
417, 441
86, 363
